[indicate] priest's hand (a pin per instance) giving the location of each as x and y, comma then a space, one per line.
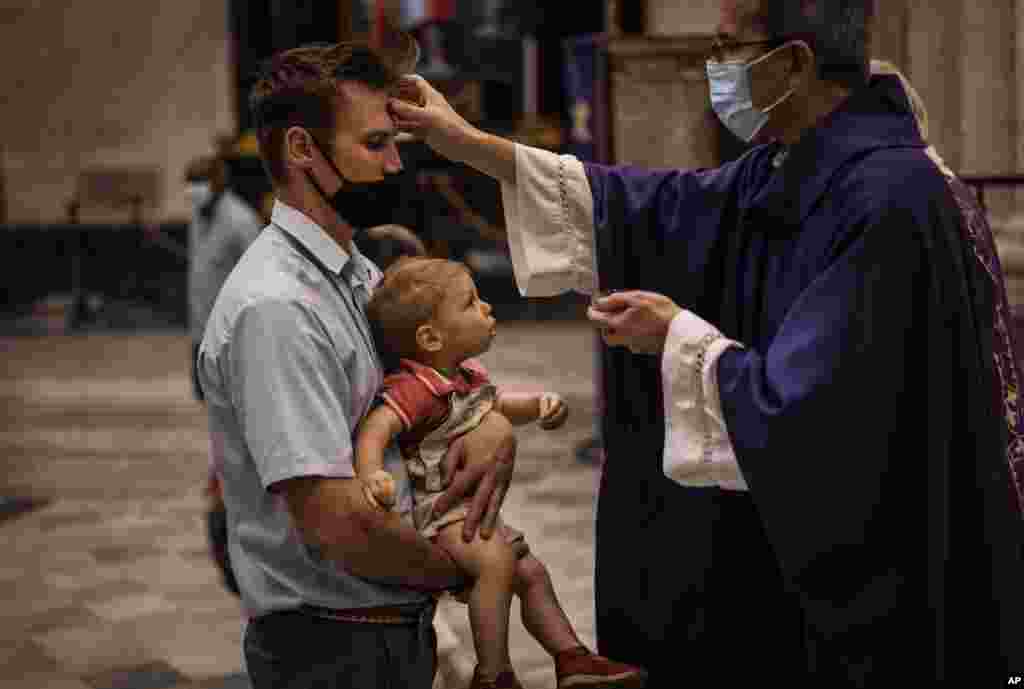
423, 111
634, 319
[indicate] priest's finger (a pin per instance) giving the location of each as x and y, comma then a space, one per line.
600, 318
409, 89
407, 116
616, 301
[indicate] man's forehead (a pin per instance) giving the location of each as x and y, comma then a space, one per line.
364, 109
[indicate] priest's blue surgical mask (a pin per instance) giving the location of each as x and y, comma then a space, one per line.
732, 97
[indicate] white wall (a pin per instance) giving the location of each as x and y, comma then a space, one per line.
108, 82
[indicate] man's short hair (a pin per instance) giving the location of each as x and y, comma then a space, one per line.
407, 297
300, 87
836, 30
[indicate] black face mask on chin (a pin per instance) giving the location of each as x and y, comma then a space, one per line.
361, 204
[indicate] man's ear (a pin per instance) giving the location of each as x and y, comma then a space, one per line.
429, 338
298, 147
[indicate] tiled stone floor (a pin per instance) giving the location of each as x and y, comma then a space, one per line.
108, 585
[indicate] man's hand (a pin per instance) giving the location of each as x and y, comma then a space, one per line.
334, 515
480, 463
553, 411
634, 319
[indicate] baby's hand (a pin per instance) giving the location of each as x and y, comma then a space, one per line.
379, 489
553, 411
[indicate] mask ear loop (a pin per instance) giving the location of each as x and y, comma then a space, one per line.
788, 93
312, 180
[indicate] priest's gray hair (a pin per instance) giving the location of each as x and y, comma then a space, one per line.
836, 30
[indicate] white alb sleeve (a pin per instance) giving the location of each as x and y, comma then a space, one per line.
698, 451
549, 216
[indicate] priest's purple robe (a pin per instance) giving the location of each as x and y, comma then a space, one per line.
873, 413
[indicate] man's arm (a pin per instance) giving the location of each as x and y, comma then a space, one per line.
334, 515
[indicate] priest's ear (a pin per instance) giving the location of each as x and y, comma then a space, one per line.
803, 64
780, 72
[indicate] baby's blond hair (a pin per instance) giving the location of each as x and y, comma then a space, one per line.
408, 297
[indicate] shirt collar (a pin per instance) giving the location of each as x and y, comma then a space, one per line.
312, 236
362, 271
439, 384
874, 117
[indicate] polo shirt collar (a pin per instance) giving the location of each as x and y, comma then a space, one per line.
439, 384
312, 236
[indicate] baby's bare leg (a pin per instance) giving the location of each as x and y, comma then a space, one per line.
542, 614
492, 565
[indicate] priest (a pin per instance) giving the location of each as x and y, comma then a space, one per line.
814, 449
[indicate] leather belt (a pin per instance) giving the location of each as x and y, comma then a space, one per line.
383, 614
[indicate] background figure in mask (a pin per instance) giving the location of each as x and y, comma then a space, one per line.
221, 229
817, 413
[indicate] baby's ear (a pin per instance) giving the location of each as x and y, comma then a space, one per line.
429, 338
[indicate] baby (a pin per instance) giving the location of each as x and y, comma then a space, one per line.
427, 315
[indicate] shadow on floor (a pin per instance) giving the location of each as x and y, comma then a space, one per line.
12, 506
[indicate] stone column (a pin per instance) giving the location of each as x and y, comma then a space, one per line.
1018, 24
1009, 234
989, 96
661, 112
680, 17
889, 32
934, 43
135, 84
612, 22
